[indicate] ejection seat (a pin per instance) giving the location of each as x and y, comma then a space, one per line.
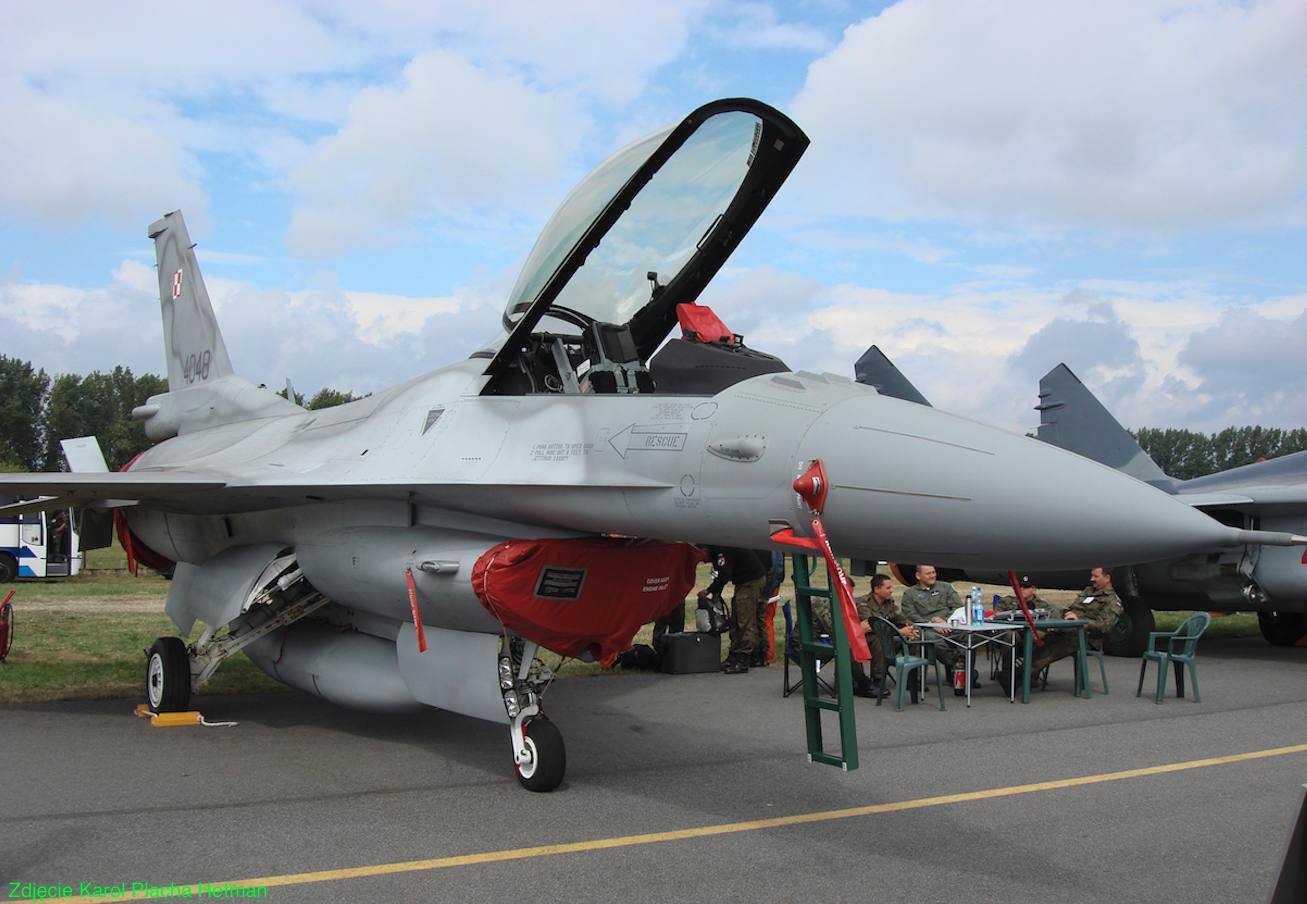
617, 367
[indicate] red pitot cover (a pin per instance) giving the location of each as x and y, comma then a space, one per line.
593, 593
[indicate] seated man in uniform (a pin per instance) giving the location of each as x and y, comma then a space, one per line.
880, 602
1029, 593
1099, 605
931, 601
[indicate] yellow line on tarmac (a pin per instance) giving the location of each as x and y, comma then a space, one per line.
599, 844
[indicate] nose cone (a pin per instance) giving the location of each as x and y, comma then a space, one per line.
914, 484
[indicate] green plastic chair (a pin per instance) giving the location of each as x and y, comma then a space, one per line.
1102, 669
895, 649
1181, 650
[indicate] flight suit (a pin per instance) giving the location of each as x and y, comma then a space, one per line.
921, 605
1099, 609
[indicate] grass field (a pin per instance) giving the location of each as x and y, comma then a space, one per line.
84, 638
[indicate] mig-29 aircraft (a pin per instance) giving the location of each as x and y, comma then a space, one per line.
1270, 495
419, 546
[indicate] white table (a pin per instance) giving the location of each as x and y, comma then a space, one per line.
968, 638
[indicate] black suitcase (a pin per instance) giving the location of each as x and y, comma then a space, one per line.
684, 654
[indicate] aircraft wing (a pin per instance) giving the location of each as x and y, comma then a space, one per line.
1272, 494
61, 490
189, 493
1208, 500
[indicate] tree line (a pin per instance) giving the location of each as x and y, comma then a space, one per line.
1184, 454
37, 410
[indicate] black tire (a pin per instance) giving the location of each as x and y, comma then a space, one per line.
6, 630
168, 676
549, 762
1283, 629
8, 568
1129, 636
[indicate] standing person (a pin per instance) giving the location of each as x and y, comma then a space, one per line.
930, 601
1097, 604
878, 603
774, 562
742, 568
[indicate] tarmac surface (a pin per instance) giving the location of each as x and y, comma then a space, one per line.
680, 788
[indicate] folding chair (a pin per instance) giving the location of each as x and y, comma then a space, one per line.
792, 656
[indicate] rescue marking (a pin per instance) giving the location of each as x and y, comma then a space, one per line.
599, 844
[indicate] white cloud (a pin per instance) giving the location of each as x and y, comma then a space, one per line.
1118, 113
110, 111
450, 141
1249, 362
345, 340
67, 161
1154, 352
757, 26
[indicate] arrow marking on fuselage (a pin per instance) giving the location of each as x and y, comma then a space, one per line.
646, 439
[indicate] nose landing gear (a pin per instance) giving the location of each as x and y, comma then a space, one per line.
538, 750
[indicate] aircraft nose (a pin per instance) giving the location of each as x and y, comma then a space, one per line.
915, 484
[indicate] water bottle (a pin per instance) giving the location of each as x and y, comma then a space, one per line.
977, 607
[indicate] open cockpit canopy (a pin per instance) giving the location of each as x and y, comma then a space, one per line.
645, 231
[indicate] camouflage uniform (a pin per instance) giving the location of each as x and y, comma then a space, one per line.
921, 605
1099, 609
1009, 604
890, 611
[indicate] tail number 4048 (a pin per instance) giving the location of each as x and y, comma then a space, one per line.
196, 367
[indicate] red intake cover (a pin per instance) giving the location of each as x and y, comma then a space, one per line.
573, 595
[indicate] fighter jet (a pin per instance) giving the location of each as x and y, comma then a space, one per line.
1268, 495
420, 546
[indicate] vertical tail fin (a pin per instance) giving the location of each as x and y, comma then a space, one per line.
876, 370
1072, 418
192, 342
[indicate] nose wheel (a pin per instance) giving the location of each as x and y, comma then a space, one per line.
538, 750
542, 759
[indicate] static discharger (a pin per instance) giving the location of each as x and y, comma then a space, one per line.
167, 720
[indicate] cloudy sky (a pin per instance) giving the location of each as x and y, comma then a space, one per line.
993, 186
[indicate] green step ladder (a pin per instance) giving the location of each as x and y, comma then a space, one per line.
809, 650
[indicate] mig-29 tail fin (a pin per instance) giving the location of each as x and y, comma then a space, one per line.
203, 389
878, 371
1072, 418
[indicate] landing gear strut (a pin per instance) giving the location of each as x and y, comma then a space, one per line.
538, 750
281, 596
